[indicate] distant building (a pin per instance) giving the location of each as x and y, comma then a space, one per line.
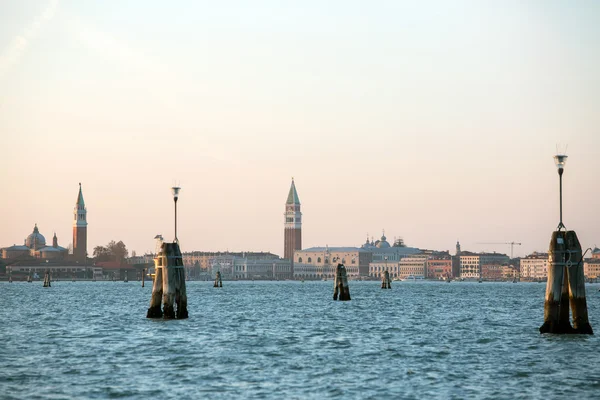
414, 265
439, 266
293, 225
35, 247
383, 251
325, 261
206, 263
377, 268
534, 266
591, 268
470, 263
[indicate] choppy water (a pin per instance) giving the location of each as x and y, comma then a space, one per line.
291, 340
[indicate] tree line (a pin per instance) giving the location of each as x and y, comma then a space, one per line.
113, 251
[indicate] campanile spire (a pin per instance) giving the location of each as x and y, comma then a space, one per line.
80, 228
293, 225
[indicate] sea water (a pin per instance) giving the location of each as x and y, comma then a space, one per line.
288, 339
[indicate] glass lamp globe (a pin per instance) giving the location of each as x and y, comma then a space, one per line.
560, 160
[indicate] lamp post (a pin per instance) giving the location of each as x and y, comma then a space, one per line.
560, 160
175, 190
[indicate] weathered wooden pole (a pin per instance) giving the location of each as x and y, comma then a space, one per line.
556, 306
47, 279
566, 284
169, 281
576, 279
143, 276
385, 280
341, 290
218, 280
155, 310
174, 292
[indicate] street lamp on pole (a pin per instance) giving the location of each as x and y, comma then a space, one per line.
175, 190
560, 160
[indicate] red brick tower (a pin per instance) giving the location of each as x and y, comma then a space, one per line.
80, 229
293, 225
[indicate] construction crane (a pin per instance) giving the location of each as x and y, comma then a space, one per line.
511, 245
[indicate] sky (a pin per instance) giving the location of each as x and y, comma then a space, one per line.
434, 120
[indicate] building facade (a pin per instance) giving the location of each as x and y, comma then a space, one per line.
325, 261
470, 263
439, 266
534, 266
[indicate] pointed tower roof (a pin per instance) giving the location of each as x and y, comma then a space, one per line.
80, 201
293, 195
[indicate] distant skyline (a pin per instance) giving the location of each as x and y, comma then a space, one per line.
436, 121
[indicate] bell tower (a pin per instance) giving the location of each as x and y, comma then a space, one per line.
293, 225
80, 229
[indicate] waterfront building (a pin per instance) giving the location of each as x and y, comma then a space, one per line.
325, 260
382, 250
439, 266
497, 272
377, 268
58, 270
414, 265
245, 268
470, 263
206, 263
534, 266
292, 225
80, 229
35, 247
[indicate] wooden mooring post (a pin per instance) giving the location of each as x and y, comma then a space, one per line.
218, 280
143, 276
341, 290
385, 280
47, 279
565, 287
169, 284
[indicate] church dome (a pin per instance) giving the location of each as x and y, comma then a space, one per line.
383, 243
35, 240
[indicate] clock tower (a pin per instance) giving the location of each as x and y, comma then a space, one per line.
293, 225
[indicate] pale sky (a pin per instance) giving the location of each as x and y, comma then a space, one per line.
433, 120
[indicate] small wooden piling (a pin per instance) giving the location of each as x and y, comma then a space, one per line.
143, 276
218, 280
341, 290
169, 284
29, 280
565, 287
385, 280
47, 279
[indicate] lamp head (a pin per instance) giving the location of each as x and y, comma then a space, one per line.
560, 160
175, 190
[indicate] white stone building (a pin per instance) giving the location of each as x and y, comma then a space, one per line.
534, 266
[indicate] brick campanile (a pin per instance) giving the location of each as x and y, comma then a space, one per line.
80, 229
293, 225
